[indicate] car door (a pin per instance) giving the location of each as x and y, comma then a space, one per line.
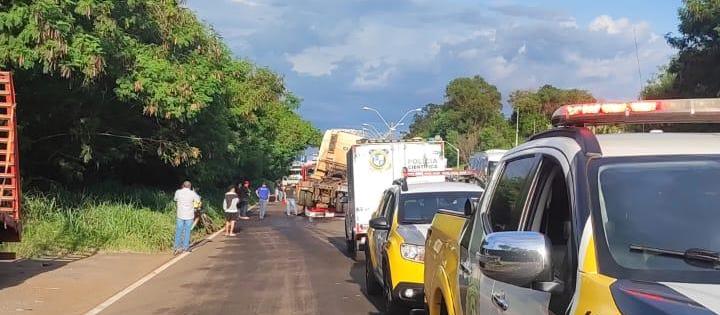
381, 236
502, 208
548, 212
373, 234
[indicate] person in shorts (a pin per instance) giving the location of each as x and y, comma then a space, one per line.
231, 211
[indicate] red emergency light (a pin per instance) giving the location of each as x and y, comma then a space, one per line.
698, 110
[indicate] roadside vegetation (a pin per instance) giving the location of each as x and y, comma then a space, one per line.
101, 218
139, 93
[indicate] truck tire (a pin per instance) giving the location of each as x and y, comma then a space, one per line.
350, 243
372, 286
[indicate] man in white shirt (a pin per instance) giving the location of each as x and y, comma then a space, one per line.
185, 200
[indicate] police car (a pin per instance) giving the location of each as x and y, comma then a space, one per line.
396, 237
578, 223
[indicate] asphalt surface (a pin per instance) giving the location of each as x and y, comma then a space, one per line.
281, 265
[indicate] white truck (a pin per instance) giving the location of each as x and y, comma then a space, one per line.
295, 175
372, 167
485, 163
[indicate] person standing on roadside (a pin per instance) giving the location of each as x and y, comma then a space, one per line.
185, 200
231, 211
244, 197
278, 192
290, 193
263, 194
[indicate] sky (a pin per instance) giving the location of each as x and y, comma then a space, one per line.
397, 55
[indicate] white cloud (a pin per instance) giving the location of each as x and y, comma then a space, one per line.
351, 52
615, 26
569, 23
522, 50
246, 2
380, 50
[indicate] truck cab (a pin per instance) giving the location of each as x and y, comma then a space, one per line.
396, 237
578, 223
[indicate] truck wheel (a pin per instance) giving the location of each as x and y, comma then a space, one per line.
372, 287
351, 248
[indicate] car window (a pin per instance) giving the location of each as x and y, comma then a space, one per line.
420, 208
390, 206
381, 206
669, 204
510, 194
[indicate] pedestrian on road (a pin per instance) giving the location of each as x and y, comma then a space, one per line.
290, 194
244, 196
231, 211
263, 194
185, 201
278, 192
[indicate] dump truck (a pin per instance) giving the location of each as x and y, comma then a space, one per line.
10, 224
321, 194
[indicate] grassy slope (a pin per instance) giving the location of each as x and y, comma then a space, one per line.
106, 218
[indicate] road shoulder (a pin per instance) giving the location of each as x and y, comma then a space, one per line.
47, 286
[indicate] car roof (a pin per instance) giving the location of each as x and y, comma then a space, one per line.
441, 187
634, 144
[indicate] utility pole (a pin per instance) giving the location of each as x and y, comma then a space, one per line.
517, 126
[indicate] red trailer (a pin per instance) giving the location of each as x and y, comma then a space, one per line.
10, 224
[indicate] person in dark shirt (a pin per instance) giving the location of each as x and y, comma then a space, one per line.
244, 197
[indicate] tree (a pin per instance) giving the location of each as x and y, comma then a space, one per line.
470, 118
536, 107
143, 92
695, 71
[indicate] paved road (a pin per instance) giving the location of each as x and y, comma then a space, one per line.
282, 265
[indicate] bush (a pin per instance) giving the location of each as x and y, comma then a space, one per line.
105, 218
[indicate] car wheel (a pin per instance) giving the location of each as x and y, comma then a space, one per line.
372, 287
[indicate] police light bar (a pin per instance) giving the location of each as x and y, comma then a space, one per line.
697, 110
442, 173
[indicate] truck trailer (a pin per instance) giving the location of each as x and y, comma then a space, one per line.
373, 165
10, 224
320, 194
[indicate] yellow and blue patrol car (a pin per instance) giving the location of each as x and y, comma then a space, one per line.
575, 222
396, 237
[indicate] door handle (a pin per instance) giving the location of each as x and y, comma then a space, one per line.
465, 266
499, 299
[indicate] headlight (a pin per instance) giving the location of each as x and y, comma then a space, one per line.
413, 252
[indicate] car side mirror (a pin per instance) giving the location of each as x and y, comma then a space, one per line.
518, 258
379, 223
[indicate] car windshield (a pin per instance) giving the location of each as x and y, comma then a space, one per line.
672, 205
420, 208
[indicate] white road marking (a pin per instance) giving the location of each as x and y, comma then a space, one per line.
144, 279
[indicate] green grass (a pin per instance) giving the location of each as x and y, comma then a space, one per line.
105, 218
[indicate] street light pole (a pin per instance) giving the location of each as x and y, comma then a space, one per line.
378, 114
392, 126
458, 154
378, 133
517, 126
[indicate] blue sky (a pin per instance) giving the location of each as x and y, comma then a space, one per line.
394, 55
